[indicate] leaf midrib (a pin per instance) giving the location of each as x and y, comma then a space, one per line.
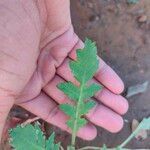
77, 110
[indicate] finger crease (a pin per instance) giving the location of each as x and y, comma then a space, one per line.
52, 113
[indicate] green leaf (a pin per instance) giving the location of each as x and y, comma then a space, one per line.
80, 123
91, 90
69, 109
89, 105
86, 64
70, 90
83, 69
32, 138
86, 107
70, 123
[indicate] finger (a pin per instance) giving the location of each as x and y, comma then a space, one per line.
5, 105
105, 118
54, 53
105, 74
44, 107
59, 48
79, 45
116, 102
65, 72
52, 90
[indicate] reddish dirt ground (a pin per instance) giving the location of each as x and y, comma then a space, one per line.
122, 34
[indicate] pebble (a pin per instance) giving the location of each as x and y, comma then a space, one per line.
142, 134
94, 18
142, 18
90, 5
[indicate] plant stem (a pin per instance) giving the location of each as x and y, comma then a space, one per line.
61, 148
130, 137
70, 148
94, 148
90, 147
74, 132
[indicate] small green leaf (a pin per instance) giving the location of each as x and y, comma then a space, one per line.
86, 107
68, 109
80, 123
89, 105
70, 123
70, 90
86, 64
91, 90
28, 135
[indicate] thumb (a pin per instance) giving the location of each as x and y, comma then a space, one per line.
6, 102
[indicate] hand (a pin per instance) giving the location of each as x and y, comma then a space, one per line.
37, 41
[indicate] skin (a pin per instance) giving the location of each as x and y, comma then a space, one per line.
37, 41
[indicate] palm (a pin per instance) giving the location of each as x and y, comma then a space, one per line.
45, 64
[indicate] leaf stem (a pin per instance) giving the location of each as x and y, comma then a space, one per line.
61, 148
90, 147
73, 139
95, 148
130, 137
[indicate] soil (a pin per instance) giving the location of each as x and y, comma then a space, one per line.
122, 34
